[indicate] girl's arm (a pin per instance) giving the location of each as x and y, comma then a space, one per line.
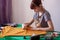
50, 28
31, 22
28, 24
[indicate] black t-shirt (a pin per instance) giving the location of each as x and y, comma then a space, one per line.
45, 17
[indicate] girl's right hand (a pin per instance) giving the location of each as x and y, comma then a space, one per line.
26, 25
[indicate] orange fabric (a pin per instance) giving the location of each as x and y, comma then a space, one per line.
8, 30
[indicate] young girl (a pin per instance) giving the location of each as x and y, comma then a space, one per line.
41, 18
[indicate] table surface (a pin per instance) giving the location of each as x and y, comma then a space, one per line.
11, 34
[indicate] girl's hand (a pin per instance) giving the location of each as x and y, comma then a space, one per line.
26, 25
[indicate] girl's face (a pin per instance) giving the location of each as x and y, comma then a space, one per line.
36, 9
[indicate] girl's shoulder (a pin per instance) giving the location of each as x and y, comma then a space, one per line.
46, 13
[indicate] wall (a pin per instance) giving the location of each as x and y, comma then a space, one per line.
54, 8
18, 11
22, 12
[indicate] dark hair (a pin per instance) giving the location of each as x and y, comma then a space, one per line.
35, 3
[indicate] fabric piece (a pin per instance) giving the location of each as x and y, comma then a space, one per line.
11, 31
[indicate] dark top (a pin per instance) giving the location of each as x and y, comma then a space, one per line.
43, 19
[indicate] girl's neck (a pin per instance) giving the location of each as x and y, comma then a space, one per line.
42, 10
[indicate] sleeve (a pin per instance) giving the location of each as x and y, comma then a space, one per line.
47, 16
35, 16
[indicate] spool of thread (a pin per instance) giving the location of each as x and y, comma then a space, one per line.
22, 26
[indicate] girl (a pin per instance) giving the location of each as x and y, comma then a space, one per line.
41, 18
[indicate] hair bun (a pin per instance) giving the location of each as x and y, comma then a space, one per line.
37, 2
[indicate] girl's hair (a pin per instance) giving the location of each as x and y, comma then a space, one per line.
35, 3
